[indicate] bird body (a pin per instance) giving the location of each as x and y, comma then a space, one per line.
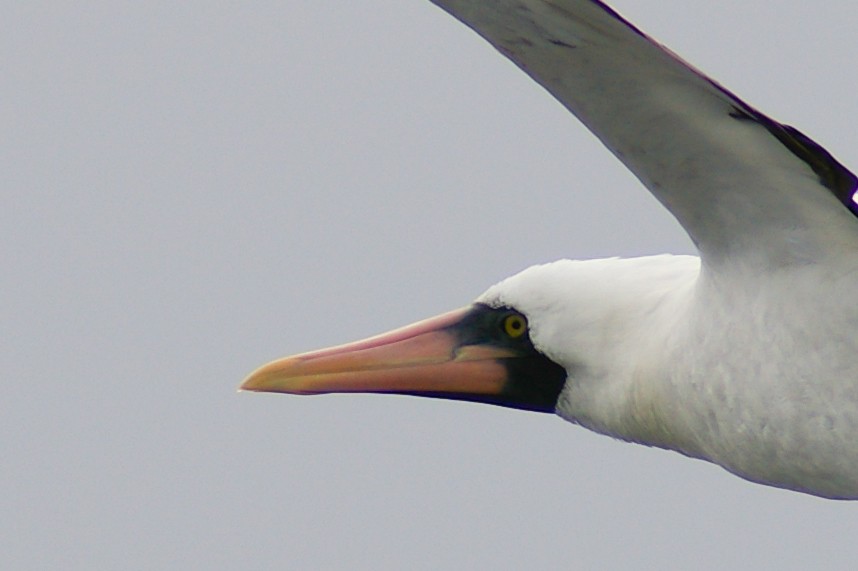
750, 371
745, 357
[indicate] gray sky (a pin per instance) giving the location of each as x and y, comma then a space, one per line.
191, 190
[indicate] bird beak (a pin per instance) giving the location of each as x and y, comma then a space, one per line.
425, 358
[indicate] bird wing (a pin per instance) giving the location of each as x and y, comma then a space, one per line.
741, 184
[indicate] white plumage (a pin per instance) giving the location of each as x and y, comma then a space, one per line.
753, 371
745, 357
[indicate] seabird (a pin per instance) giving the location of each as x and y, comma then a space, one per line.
746, 356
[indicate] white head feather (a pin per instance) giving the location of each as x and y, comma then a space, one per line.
607, 322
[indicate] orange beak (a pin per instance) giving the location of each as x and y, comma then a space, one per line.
425, 358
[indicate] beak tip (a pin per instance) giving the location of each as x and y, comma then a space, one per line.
250, 384
274, 377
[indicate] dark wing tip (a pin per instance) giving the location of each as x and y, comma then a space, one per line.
832, 174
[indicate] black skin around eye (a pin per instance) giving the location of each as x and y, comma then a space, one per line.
533, 382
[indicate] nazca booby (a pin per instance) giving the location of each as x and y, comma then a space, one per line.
746, 357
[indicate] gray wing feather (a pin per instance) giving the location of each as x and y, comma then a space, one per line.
740, 183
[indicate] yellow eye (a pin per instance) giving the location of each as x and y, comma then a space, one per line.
515, 325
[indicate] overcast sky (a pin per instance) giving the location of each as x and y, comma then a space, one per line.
190, 190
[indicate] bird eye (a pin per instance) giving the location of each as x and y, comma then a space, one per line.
515, 325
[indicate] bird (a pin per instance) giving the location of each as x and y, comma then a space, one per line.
745, 356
